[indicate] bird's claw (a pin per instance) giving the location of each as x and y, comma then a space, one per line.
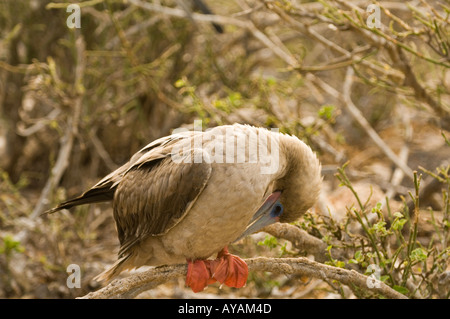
230, 270
227, 269
199, 275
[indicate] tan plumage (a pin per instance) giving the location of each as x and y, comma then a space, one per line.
169, 212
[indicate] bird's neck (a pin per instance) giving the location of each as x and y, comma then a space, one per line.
301, 178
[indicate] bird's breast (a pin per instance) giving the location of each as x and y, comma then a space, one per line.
221, 213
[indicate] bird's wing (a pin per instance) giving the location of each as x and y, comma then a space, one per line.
155, 150
104, 190
154, 195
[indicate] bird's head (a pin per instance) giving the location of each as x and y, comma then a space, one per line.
299, 180
294, 188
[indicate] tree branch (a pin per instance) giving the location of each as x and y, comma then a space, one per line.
300, 239
362, 121
222, 20
133, 285
67, 139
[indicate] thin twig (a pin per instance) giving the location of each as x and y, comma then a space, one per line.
66, 141
300, 239
222, 20
57, 171
102, 152
357, 115
332, 45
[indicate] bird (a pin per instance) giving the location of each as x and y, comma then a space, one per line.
186, 197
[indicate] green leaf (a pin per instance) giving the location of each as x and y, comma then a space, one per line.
401, 289
377, 208
379, 228
326, 111
269, 241
398, 215
358, 255
271, 81
10, 245
180, 83
221, 105
235, 98
418, 254
398, 223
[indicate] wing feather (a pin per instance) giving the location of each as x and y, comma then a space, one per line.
150, 193
154, 196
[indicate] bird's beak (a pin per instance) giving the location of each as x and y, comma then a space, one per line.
267, 206
265, 215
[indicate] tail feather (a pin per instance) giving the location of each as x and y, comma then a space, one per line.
94, 195
120, 265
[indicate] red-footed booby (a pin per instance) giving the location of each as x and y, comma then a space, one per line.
187, 196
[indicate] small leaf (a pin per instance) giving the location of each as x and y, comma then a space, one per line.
377, 208
235, 99
380, 228
398, 224
269, 241
271, 81
180, 83
398, 215
326, 111
10, 245
401, 289
418, 254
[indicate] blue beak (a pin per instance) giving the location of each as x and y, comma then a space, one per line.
269, 213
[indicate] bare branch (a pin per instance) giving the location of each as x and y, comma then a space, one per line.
133, 285
300, 239
67, 139
332, 45
245, 24
102, 151
357, 115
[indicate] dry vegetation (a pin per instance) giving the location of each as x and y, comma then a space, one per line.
372, 101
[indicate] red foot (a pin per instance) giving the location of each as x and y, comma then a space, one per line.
227, 269
199, 275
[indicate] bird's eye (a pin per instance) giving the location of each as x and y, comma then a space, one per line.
277, 210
